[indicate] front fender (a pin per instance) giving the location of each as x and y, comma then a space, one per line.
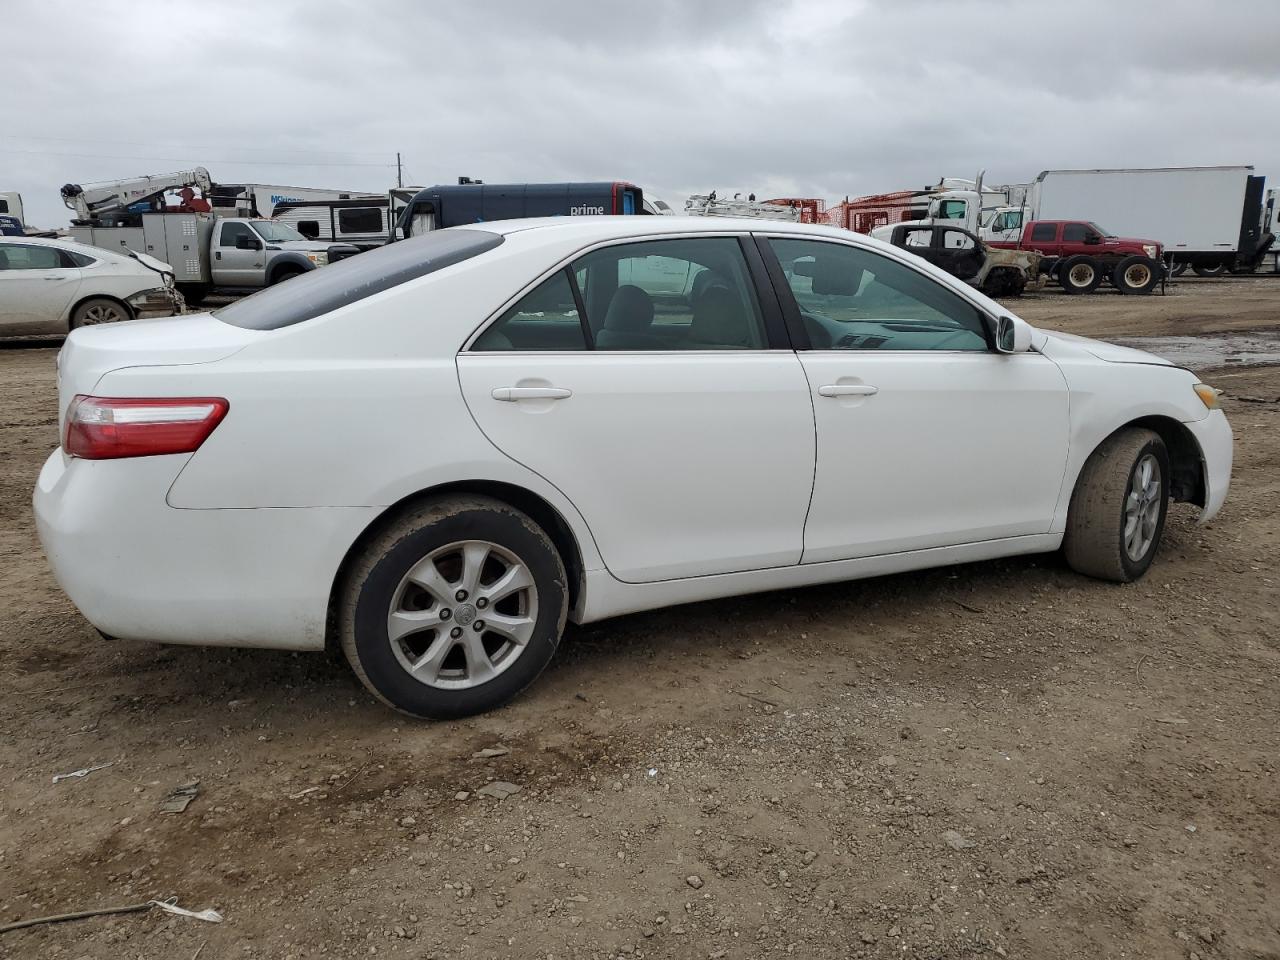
290, 257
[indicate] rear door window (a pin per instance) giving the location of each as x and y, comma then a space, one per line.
546, 318
1044, 232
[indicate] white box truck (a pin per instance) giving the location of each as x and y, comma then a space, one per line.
1208, 218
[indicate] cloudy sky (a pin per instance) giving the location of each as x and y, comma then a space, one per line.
822, 98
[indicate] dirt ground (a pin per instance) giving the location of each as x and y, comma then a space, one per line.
1000, 759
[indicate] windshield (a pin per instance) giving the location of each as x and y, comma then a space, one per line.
271, 231
1101, 230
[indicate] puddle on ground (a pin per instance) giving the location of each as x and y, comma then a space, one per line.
1201, 353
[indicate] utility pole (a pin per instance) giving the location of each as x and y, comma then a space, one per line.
399, 172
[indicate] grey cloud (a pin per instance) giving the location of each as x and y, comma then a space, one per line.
825, 98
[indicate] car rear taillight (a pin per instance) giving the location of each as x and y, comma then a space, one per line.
107, 428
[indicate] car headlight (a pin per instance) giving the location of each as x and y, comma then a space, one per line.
1151, 250
319, 259
1208, 395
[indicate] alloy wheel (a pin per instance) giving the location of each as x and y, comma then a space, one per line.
462, 614
1142, 507
101, 313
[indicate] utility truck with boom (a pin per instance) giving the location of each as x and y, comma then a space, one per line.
207, 252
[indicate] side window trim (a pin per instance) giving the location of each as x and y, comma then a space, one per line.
786, 300
581, 306
791, 308
777, 333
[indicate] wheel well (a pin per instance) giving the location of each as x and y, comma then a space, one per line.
99, 296
1185, 461
289, 268
539, 510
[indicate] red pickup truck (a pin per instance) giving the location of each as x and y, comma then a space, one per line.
1080, 255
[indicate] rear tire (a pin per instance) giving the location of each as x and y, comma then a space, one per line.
194, 293
1118, 508
1209, 270
1135, 275
1079, 275
99, 310
436, 579
1177, 268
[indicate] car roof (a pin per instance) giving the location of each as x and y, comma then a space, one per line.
610, 226
72, 244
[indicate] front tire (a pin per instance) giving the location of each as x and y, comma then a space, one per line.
99, 310
453, 609
1117, 512
1135, 275
1079, 275
286, 273
1209, 270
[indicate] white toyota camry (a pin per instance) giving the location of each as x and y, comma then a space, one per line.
434, 454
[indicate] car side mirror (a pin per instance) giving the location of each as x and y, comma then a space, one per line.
245, 243
1011, 335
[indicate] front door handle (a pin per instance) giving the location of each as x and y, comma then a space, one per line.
848, 390
511, 394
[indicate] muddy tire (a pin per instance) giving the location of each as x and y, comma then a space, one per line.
99, 310
454, 608
1118, 508
1135, 275
1079, 275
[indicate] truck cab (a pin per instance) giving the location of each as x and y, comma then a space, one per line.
965, 256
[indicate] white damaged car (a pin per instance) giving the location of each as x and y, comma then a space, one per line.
49, 287
434, 454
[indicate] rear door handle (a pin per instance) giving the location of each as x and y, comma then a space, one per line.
511, 394
848, 390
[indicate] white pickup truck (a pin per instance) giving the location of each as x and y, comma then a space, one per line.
211, 253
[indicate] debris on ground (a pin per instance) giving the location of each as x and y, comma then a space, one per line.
490, 752
82, 772
169, 906
180, 797
499, 790
957, 840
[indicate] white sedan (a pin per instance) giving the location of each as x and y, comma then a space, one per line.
52, 286
434, 454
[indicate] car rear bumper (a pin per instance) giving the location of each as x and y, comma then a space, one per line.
139, 569
1213, 434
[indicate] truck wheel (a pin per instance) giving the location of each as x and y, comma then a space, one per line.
99, 310
194, 293
1135, 275
1177, 268
1117, 511
1209, 269
1079, 275
285, 273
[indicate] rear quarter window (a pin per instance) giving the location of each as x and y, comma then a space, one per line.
326, 289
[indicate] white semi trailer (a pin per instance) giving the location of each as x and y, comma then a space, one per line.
1208, 218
